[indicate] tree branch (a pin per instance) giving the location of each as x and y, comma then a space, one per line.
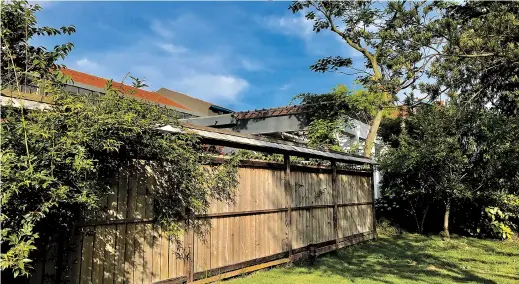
372, 59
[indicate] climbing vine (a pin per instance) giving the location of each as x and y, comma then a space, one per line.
56, 161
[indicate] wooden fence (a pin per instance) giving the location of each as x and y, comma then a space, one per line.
280, 213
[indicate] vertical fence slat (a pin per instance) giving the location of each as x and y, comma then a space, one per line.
334, 200
87, 261
189, 259
288, 191
373, 220
120, 242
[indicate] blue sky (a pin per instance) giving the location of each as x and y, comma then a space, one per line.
242, 55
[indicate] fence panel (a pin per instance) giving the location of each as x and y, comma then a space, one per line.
121, 245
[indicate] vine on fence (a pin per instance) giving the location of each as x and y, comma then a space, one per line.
55, 162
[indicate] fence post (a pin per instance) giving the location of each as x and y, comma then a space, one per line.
288, 194
189, 251
335, 208
374, 230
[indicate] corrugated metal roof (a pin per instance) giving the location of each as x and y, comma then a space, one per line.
270, 112
244, 141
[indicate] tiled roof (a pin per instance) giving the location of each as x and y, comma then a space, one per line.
261, 113
99, 82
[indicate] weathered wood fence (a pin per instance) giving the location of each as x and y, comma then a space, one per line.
281, 213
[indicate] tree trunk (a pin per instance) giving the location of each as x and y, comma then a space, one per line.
372, 135
446, 221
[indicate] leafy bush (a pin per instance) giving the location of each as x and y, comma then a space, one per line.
56, 163
385, 227
502, 220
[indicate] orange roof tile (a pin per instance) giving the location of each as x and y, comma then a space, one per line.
99, 82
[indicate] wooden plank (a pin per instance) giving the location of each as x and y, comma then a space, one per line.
244, 270
99, 252
189, 263
75, 258
269, 189
288, 191
242, 236
300, 253
335, 193
87, 255
164, 272
214, 243
111, 231
372, 199
245, 236
137, 185
112, 199
220, 245
259, 222
282, 232
172, 259
156, 254
220, 215
176, 261
129, 258
120, 241
109, 254
146, 187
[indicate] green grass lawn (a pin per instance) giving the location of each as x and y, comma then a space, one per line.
408, 258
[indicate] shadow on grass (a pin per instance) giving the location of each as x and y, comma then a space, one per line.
405, 258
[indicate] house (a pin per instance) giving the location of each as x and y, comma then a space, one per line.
288, 123
83, 83
198, 106
86, 83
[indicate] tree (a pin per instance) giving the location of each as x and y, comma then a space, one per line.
329, 113
391, 37
476, 66
18, 24
430, 161
56, 162
479, 59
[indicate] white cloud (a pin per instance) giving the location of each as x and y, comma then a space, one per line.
321, 44
44, 4
86, 65
171, 48
291, 25
285, 87
251, 65
206, 73
214, 87
161, 29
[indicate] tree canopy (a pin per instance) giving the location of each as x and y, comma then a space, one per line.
479, 59
476, 67
391, 37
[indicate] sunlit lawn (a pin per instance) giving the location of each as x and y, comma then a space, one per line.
405, 259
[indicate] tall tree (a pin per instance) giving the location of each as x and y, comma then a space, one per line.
477, 66
480, 57
390, 37
431, 160
330, 112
